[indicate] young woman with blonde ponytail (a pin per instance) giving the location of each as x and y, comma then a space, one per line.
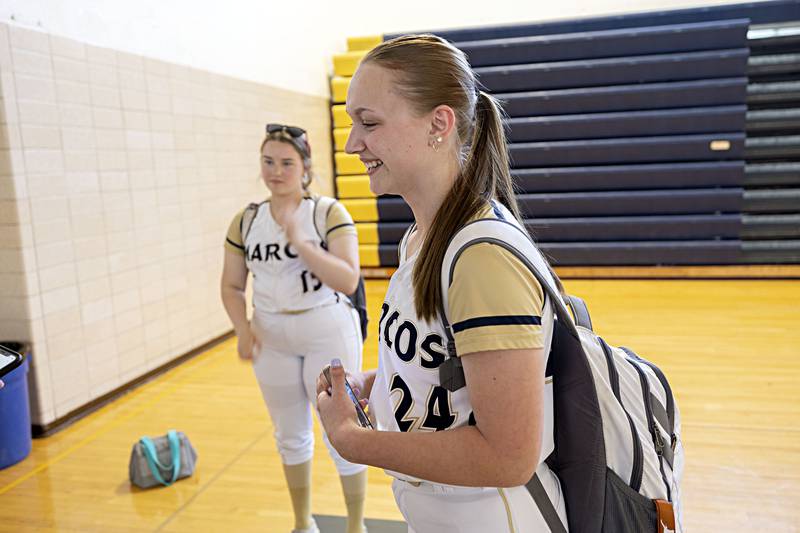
461, 460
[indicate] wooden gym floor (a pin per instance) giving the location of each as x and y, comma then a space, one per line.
730, 348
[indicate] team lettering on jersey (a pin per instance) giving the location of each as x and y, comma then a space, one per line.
266, 251
272, 251
269, 251
403, 337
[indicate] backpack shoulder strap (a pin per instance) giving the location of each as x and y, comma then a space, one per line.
248, 216
579, 311
322, 206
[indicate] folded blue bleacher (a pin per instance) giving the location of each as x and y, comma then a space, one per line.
667, 148
650, 138
613, 71
692, 37
659, 122
757, 12
670, 175
638, 96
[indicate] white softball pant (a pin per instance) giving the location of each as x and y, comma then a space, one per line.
435, 508
294, 349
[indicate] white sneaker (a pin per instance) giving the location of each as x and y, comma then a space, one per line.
310, 529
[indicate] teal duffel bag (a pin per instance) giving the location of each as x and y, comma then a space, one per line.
161, 460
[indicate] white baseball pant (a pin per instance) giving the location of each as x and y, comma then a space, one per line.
294, 349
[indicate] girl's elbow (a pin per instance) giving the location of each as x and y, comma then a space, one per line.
526, 473
352, 283
345, 287
521, 468
517, 476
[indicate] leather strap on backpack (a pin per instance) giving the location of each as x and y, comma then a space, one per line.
665, 516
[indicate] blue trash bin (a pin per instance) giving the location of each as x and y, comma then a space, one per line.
15, 413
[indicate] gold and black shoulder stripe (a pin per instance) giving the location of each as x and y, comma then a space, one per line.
501, 311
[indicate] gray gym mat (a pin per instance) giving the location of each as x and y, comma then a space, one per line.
337, 524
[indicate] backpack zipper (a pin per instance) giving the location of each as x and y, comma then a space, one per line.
670, 407
658, 441
638, 453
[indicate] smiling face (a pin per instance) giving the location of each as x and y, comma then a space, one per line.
282, 168
387, 135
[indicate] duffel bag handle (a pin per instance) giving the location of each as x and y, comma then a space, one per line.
149, 451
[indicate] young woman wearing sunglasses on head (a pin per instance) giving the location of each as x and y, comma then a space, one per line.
301, 318
461, 457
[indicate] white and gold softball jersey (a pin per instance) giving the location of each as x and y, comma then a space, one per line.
495, 303
282, 282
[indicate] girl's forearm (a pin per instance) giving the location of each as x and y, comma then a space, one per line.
236, 306
461, 456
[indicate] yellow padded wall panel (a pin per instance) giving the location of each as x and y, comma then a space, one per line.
362, 210
339, 87
340, 138
353, 187
363, 43
348, 164
340, 117
346, 64
368, 255
367, 233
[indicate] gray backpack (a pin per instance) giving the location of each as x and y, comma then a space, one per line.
618, 452
161, 460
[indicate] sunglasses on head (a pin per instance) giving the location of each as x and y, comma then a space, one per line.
293, 131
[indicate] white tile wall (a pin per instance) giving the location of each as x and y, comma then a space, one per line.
33, 63
28, 40
61, 47
42, 113
73, 70
62, 321
57, 277
118, 177
35, 88
43, 137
